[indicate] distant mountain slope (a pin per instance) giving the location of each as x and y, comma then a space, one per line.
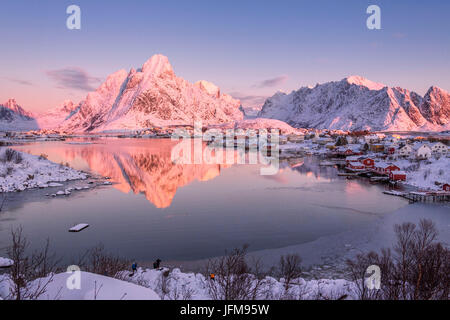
54, 117
14, 118
151, 96
356, 103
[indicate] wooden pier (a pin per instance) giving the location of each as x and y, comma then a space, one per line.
422, 196
429, 196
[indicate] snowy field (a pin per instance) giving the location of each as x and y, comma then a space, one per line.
425, 174
20, 171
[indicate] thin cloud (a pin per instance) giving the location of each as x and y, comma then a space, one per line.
20, 81
399, 35
73, 78
249, 100
274, 82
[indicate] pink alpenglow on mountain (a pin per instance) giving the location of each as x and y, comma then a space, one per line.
151, 96
356, 103
54, 117
14, 118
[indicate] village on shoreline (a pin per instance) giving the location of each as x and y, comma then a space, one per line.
414, 162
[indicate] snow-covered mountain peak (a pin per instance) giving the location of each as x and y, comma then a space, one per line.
361, 81
12, 105
151, 96
68, 106
209, 87
157, 64
436, 91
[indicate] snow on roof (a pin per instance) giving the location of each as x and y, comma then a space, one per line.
416, 146
399, 172
382, 164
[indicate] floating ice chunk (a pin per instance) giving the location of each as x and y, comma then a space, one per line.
5, 262
54, 184
79, 227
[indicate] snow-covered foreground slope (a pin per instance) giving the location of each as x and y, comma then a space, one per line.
20, 171
356, 103
151, 96
158, 285
177, 285
92, 287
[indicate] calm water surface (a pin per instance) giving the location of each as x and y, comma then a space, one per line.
156, 208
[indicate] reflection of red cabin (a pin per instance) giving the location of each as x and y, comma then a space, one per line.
446, 187
368, 163
397, 176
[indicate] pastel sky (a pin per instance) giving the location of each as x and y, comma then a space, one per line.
250, 48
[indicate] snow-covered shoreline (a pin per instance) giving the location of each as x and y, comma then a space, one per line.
20, 171
165, 284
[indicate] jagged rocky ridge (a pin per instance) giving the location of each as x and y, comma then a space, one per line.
355, 103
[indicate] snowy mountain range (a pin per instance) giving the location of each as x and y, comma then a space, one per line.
151, 96
154, 96
356, 103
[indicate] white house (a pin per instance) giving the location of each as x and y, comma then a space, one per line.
422, 152
405, 151
439, 148
373, 138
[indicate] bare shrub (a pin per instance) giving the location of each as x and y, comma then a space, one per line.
18, 158
234, 278
417, 268
2, 203
185, 293
11, 155
30, 275
103, 263
290, 268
